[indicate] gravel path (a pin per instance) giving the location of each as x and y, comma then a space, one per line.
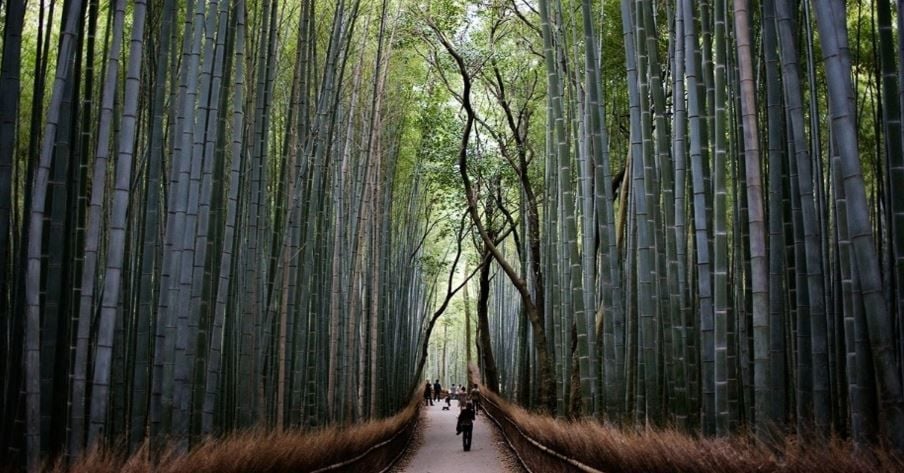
440, 450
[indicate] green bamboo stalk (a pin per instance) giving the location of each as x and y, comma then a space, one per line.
704, 278
777, 312
833, 38
759, 271
117, 229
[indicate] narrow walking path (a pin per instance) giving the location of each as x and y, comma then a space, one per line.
441, 450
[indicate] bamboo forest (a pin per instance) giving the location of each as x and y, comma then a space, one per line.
639, 235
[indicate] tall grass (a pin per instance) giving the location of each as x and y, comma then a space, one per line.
611, 449
261, 450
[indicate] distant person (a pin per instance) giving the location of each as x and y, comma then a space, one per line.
448, 402
466, 425
428, 395
454, 392
437, 390
475, 398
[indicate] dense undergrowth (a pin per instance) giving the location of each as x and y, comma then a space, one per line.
260, 450
613, 449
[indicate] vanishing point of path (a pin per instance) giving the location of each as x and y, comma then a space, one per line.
440, 450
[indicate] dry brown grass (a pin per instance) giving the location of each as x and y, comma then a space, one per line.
612, 449
261, 450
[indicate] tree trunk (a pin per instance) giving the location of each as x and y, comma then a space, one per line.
488, 361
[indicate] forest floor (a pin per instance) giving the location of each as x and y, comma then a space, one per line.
437, 449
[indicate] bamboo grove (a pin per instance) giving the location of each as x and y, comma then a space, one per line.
213, 220
709, 226
225, 214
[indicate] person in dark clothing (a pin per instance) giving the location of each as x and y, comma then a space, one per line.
437, 390
428, 395
466, 425
475, 398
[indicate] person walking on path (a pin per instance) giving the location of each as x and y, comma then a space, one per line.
437, 390
462, 397
428, 395
465, 426
475, 398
